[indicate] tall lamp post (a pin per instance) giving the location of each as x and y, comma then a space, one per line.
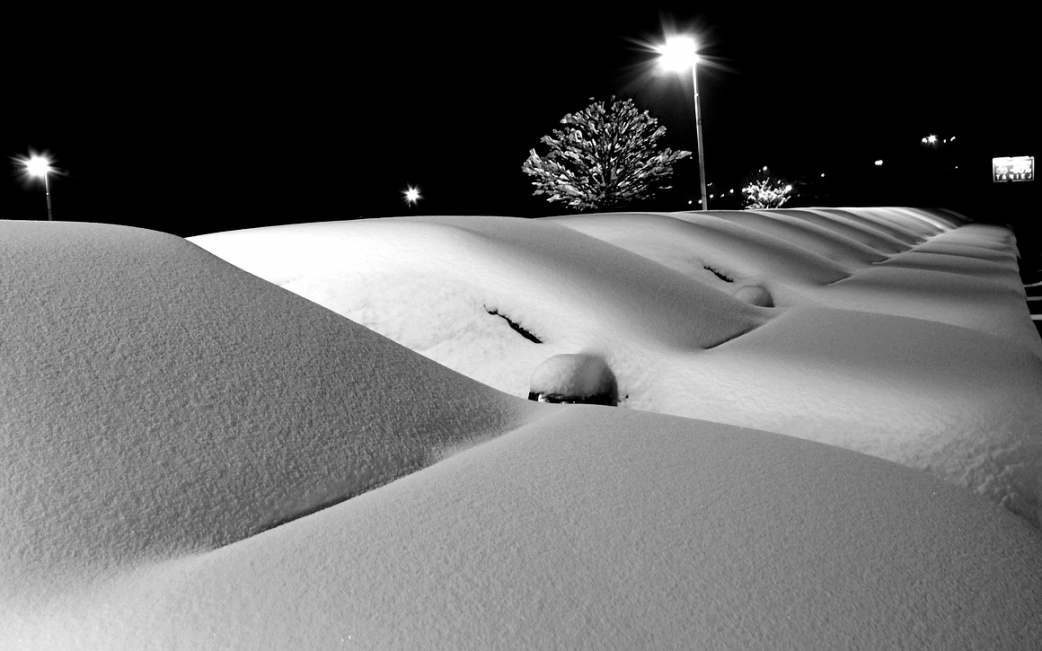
677, 55
40, 166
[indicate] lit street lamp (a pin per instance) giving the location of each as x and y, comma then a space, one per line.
678, 54
40, 166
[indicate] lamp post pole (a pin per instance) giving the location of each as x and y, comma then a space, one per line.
677, 54
698, 137
47, 191
40, 166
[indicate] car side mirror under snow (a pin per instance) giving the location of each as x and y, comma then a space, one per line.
580, 378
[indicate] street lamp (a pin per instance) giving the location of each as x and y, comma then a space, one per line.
677, 55
40, 166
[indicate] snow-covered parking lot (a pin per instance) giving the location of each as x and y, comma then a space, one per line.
316, 436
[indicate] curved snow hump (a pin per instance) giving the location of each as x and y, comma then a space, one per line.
516, 263
163, 411
898, 261
848, 224
690, 241
157, 400
951, 401
595, 528
461, 290
967, 277
830, 243
640, 291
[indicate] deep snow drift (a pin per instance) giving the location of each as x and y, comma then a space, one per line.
194, 458
900, 333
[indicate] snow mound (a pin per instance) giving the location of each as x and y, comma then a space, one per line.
830, 242
193, 458
518, 261
661, 298
157, 400
433, 283
686, 240
817, 262
594, 528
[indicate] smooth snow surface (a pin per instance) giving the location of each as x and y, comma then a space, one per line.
194, 458
896, 332
158, 401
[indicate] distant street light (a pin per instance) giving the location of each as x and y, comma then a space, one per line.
677, 55
40, 166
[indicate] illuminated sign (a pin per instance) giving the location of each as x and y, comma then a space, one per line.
1013, 168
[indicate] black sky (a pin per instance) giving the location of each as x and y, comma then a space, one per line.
195, 122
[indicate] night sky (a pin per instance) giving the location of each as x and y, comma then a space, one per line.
198, 122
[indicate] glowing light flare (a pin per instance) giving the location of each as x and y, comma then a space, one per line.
678, 53
38, 166
412, 195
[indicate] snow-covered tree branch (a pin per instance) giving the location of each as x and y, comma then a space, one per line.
763, 191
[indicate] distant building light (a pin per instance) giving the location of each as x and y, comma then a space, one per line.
1013, 168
